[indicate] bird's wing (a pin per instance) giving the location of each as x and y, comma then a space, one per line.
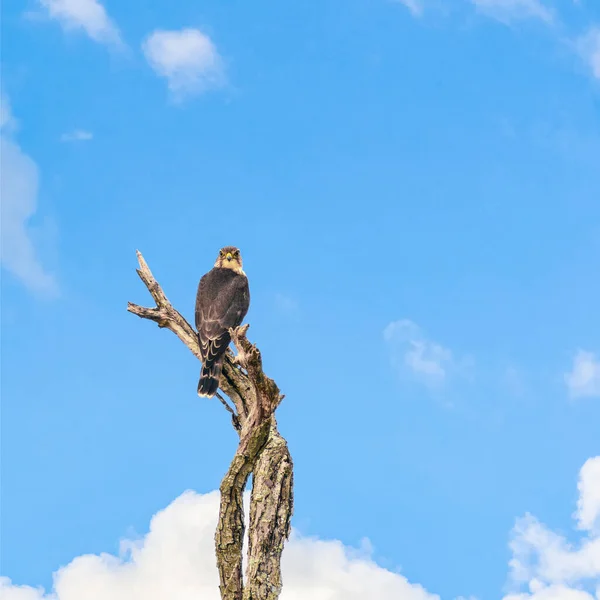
219, 306
238, 301
213, 337
202, 299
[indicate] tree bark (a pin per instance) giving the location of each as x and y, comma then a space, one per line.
270, 515
262, 451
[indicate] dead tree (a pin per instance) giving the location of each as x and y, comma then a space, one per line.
262, 451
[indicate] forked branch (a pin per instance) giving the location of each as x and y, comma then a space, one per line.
261, 450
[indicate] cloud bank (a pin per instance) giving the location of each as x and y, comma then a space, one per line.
175, 560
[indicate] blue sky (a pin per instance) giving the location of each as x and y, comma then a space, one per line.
415, 188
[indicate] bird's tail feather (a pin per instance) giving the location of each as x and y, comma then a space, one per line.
209, 379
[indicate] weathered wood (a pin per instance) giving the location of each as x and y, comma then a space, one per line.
262, 451
270, 517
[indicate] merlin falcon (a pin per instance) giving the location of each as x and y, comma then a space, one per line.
222, 302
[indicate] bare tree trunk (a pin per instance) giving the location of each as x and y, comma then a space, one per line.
270, 514
262, 451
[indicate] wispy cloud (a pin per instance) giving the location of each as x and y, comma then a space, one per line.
583, 380
587, 45
187, 59
412, 351
19, 190
508, 11
77, 135
7, 122
589, 48
414, 6
87, 15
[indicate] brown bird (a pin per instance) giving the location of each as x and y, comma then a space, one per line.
222, 302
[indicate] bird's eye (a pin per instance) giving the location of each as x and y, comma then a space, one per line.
236, 253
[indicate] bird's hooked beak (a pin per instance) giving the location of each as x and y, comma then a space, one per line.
229, 256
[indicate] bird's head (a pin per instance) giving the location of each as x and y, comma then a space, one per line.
229, 258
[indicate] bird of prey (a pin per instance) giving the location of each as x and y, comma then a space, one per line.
222, 302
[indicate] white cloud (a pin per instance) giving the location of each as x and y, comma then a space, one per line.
414, 6
589, 48
176, 560
187, 58
584, 378
77, 135
550, 566
89, 15
588, 505
508, 11
19, 190
410, 350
